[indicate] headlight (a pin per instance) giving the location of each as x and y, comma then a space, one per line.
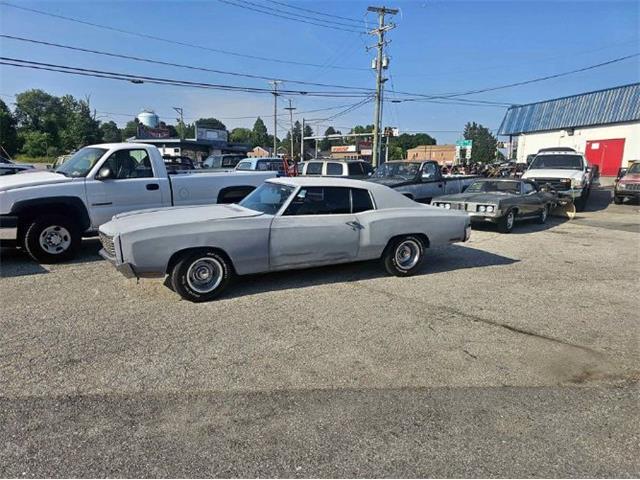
622, 185
490, 208
576, 182
447, 205
482, 208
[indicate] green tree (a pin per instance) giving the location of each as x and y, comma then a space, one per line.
37, 144
80, 128
241, 135
308, 132
484, 143
260, 135
110, 132
325, 143
395, 152
130, 129
211, 123
36, 110
8, 133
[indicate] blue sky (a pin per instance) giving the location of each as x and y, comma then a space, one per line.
437, 47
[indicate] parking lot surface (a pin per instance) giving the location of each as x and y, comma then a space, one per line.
510, 355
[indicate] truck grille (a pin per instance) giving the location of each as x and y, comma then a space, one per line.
631, 186
556, 183
107, 244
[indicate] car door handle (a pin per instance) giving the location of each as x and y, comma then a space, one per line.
152, 186
355, 225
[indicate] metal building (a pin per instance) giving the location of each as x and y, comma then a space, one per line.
604, 125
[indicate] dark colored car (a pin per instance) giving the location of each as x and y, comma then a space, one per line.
9, 167
501, 201
223, 162
627, 185
178, 164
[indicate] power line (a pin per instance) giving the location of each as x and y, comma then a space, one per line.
354, 20
178, 65
248, 5
175, 42
163, 81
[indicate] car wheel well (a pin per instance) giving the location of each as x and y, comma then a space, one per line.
187, 251
28, 214
421, 236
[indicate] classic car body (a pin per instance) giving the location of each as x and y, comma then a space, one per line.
501, 201
287, 223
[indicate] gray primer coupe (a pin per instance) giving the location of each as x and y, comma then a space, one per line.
501, 201
286, 223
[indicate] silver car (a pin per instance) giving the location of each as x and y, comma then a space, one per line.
286, 223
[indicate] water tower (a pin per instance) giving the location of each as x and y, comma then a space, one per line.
149, 119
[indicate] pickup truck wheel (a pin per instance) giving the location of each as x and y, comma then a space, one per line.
52, 239
201, 276
544, 214
580, 203
403, 256
617, 200
505, 224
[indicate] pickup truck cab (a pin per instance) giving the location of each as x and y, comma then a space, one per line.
357, 169
49, 212
565, 171
420, 180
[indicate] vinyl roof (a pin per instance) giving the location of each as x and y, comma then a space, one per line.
612, 105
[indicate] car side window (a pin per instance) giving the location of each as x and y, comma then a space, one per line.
320, 201
528, 188
244, 166
361, 200
355, 169
367, 168
429, 171
334, 169
127, 164
314, 168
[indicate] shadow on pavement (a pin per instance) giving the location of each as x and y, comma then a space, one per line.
447, 259
16, 262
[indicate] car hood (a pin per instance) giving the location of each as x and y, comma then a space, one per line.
173, 216
390, 181
631, 178
552, 173
492, 197
31, 179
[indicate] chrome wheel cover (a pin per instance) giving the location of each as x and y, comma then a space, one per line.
510, 220
55, 239
545, 212
407, 254
205, 274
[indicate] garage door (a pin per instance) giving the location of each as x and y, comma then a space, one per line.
607, 154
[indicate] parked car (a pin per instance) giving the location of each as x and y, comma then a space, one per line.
178, 164
9, 167
272, 164
49, 211
501, 201
564, 170
627, 184
358, 169
419, 180
59, 161
222, 162
287, 223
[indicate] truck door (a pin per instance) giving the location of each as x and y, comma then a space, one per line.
432, 183
130, 185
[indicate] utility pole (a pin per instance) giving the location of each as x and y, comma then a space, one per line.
275, 84
181, 113
380, 59
291, 109
302, 142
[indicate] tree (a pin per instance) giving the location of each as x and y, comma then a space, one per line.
325, 143
395, 152
260, 135
36, 110
211, 123
37, 144
241, 135
8, 133
484, 145
110, 132
308, 132
407, 141
80, 128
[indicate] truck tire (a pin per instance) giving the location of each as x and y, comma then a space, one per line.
201, 276
580, 203
617, 200
403, 256
505, 224
52, 238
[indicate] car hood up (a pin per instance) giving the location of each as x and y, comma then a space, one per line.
31, 179
484, 197
552, 173
174, 216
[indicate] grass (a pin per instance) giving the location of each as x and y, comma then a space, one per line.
27, 159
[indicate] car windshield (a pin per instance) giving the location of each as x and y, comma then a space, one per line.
635, 168
81, 162
492, 186
406, 170
267, 198
559, 162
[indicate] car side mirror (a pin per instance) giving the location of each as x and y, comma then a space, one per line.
622, 172
104, 174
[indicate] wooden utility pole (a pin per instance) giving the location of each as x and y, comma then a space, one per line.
380, 63
180, 112
275, 84
291, 109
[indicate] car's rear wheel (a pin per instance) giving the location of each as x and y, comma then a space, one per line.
201, 276
506, 223
403, 256
52, 239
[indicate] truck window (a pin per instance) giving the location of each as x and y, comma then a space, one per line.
361, 200
429, 171
244, 166
334, 168
314, 168
320, 201
355, 169
124, 164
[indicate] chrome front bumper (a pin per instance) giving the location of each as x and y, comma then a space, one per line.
8, 227
124, 268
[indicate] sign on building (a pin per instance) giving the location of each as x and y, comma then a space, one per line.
211, 134
343, 148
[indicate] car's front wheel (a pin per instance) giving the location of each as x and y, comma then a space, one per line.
505, 224
201, 276
52, 239
617, 200
544, 214
403, 256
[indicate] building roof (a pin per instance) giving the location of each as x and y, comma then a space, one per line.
612, 105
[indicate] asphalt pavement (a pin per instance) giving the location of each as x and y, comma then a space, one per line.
510, 355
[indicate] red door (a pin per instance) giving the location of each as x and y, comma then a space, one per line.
607, 154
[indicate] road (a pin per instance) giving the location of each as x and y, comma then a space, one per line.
511, 355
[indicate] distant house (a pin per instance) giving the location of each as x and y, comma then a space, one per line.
443, 154
258, 152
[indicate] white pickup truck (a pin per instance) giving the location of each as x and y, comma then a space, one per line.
48, 212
